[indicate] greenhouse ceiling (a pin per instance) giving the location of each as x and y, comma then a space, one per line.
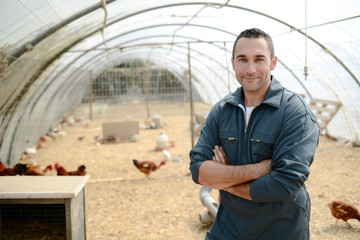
48, 49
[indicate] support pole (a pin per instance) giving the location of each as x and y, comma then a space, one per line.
227, 68
146, 92
306, 68
90, 95
191, 101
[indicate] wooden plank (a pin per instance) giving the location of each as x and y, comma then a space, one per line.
29, 187
324, 101
78, 217
69, 221
33, 201
324, 109
323, 117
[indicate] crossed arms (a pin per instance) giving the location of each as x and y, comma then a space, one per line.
235, 179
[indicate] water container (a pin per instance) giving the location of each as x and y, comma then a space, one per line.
156, 119
162, 141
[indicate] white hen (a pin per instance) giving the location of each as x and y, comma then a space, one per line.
166, 155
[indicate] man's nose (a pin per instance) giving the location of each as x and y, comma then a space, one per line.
250, 68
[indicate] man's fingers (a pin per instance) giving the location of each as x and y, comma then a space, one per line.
224, 155
216, 156
219, 155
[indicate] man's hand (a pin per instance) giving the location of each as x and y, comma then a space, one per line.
220, 155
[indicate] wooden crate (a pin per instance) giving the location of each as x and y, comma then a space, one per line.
324, 111
124, 131
46, 204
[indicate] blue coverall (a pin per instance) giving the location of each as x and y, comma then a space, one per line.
281, 128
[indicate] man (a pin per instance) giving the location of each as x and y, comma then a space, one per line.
256, 147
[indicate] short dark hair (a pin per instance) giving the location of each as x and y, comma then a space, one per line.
256, 33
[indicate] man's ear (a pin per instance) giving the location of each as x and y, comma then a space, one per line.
232, 62
273, 63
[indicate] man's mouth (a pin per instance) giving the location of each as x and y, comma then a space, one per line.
250, 78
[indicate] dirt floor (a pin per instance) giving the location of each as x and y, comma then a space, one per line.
121, 203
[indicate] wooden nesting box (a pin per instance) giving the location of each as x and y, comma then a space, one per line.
42, 207
124, 131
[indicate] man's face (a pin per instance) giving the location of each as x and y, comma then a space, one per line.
252, 64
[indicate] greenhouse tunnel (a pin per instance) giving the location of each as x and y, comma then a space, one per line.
51, 49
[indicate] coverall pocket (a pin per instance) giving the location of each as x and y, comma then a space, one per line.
230, 143
262, 147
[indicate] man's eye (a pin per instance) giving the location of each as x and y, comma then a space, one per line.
242, 60
259, 60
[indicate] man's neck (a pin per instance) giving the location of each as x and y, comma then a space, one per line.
253, 99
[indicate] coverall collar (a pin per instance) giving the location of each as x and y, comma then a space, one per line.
272, 98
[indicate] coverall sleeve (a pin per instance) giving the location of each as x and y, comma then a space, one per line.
294, 152
203, 149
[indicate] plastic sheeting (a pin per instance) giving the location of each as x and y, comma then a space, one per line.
50, 48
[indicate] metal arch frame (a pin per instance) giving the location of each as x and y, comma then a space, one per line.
23, 49
159, 7
146, 10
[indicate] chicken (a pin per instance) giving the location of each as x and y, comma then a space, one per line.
41, 143
147, 166
344, 211
2, 166
61, 171
112, 139
30, 151
35, 170
109, 139
166, 155
55, 134
18, 169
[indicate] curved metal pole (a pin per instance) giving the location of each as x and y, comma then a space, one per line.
23, 49
191, 98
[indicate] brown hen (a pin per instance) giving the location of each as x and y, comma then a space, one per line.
61, 171
343, 210
18, 169
147, 166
